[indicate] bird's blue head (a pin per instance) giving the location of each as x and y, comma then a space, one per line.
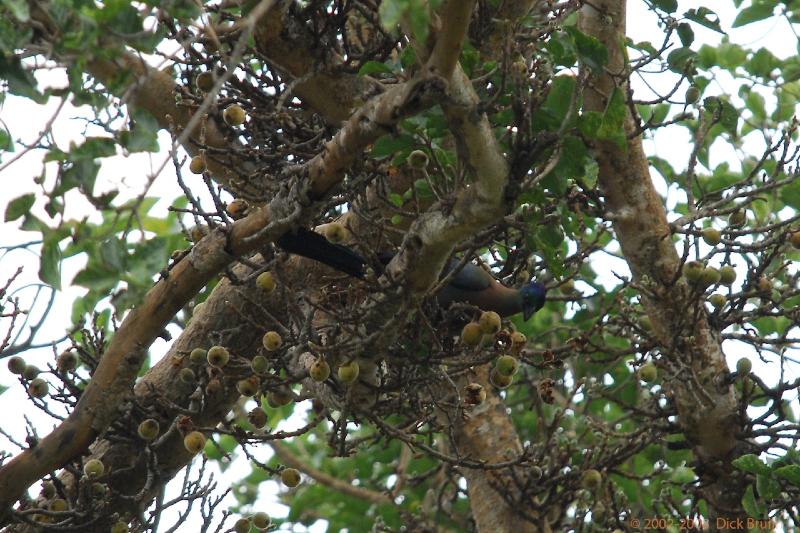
533, 297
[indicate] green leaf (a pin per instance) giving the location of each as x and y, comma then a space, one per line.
590, 123
19, 206
391, 145
571, 164
682, 474
562, 47
391, 11
610, 125
6, 144
667, 6
590, 50
50, 265
762, 63
396, 199
96, 278
143, 135
19, 9
685, 33
678, 59
705, 17
547, 240
751, 463
767, 487
751, 506
113, 253
731, 55
374, 67
419, 19
20, 81
663, 167
755, 103
92, 148
729, 117
790, 71
408, 57
790, 473
754, 13
707, 56
557, 104
787, 101
118, 15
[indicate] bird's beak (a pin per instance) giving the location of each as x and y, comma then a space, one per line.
527, 312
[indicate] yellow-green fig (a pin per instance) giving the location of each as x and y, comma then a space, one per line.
148, 429
197, 165
248, 386
764, 284
712, 236
279, 397
506, 365
319, 370
738, 218
648, 372
591, 479
471, 334
93, 468
67, 361
727, 275
242, 526
794, 239
38, 388
335, 232
692, 94
261, 520
258, 417
474, 394
194, 442
272, 341
744, 366
290, 477
16, 365
499, 380
490, 322
30, 372
717, 300
119, 527
348, 373
205, 81
259, 364
265, 282
186, 375
234, 115
218, 356
417, 159
710, 276
693, 270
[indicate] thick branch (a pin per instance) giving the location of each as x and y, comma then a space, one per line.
290, 47
488, 435
118, 367
706, 406
289, 459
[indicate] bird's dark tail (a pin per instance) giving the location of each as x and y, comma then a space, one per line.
314, 246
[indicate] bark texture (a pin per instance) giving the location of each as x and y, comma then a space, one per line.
692, 356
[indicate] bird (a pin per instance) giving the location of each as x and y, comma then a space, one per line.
470, 284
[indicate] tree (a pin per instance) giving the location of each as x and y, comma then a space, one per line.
505, 133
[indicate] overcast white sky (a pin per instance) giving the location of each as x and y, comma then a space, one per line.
25, 120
